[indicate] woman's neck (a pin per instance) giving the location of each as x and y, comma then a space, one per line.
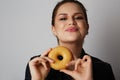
75, 49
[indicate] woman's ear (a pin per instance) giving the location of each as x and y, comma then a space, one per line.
53, 30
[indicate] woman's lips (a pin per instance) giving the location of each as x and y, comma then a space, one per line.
72, 29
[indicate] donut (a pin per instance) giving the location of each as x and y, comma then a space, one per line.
61, 55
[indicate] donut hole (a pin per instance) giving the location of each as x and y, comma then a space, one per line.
60, 57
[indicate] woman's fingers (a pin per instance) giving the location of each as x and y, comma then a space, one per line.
45, 55
74, 64
78, 63
71, 63
44, 65
34, 61
42, 61
81, 67
87, 61
49, 59
46, 52
39, 66
87, 58
39, 61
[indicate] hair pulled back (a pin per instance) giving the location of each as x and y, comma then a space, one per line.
67, 1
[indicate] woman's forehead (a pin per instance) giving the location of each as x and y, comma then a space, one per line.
69, 8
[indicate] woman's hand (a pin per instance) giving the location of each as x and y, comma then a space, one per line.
82, 69
39, 66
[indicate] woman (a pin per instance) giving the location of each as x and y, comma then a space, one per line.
70, 26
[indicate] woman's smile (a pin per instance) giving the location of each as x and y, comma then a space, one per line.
72, 29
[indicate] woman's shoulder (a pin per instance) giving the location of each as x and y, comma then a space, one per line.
97, 61
102, 70
100, 65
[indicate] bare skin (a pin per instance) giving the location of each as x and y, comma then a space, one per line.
70, 28
82, 69
39, 67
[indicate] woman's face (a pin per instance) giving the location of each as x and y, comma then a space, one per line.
70, 24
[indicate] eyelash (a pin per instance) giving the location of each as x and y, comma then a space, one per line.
76, 18
63, 18
79, 18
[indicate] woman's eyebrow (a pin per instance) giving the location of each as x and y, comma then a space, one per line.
62, 14
74, 13
78, 13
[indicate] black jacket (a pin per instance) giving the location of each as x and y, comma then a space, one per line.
101, 71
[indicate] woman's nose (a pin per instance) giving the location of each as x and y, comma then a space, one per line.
71, 21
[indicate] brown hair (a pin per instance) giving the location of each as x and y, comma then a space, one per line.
66, 1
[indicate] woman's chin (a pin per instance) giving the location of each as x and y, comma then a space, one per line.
73, 40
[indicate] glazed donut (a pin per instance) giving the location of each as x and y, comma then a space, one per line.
61, 55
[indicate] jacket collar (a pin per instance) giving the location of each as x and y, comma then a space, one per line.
82, 53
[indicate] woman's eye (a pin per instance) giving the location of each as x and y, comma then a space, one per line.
78, 18
63, 18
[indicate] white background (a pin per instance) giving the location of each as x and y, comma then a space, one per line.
25, 31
